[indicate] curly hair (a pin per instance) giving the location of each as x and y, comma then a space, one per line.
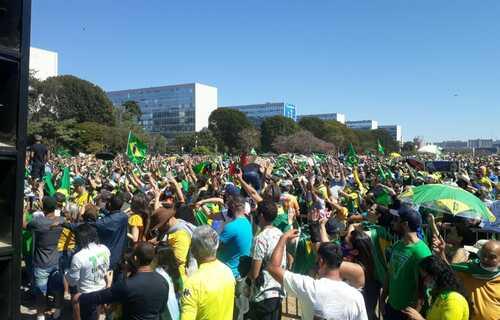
443, 276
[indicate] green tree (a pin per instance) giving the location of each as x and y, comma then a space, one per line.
301, 142
276, 126
132, 110
226, 125
68, 97
250, 139
190, 140
409, 147
314, 125
55, 133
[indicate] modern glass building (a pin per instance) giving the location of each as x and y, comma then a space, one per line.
394, 131
258, 112
339, 117
170, 110
362, 124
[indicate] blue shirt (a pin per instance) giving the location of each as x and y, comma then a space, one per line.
235, 241
112, 230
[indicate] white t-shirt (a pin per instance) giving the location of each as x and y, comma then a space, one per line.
325, 298
263, 247
88, 268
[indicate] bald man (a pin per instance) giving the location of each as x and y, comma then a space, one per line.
481, 278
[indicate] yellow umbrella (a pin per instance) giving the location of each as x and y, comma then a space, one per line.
394, 155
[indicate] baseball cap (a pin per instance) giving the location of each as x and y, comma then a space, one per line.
231, 190
161, 216
78, 182
409, 215
477, 246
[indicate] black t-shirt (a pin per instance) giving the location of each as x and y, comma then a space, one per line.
46, 234
39, 153
143, 296
184, 212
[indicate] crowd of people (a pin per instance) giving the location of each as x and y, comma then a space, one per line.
231, 237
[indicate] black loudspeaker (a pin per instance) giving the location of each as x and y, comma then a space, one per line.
15, 18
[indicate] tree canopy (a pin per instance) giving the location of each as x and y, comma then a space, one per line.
276, 126
226, 125
68, 97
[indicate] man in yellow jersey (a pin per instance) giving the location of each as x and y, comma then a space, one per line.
481, 278
177, 233
209, 292
81, 197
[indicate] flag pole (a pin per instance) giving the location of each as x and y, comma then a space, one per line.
128, 141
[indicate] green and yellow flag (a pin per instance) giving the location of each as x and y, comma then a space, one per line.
65, 185
49, 186
352, 157
136, 149
380, 148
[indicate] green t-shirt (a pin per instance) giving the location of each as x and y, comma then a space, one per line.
27, 238
403, 273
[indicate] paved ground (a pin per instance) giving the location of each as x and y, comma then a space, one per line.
28, 312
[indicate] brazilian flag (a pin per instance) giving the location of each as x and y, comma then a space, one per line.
380, 148
49, 186
305, 256
352, 156
64, 188
136, 149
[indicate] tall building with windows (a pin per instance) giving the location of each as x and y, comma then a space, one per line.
362, 124
171, 110
394, 131
339, 117
480, 143
258, 112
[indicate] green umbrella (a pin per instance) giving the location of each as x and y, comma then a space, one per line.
448, 199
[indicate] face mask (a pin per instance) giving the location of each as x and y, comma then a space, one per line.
490, 269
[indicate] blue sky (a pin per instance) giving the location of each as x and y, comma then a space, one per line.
431, 66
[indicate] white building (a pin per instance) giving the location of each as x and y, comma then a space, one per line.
44, 63
480, 143
362, 124
339, 117
394, 131
171, 110
258, 112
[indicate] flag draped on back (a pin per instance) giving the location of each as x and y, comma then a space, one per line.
352, 157
65, 183
136, 149
380, 148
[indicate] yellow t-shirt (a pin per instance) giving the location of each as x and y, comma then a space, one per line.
180, 241
449, 306
322, 190
66, 240
209, 293
135, 220
290, 201
486, 182
83, 199
342, 213
484, 295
